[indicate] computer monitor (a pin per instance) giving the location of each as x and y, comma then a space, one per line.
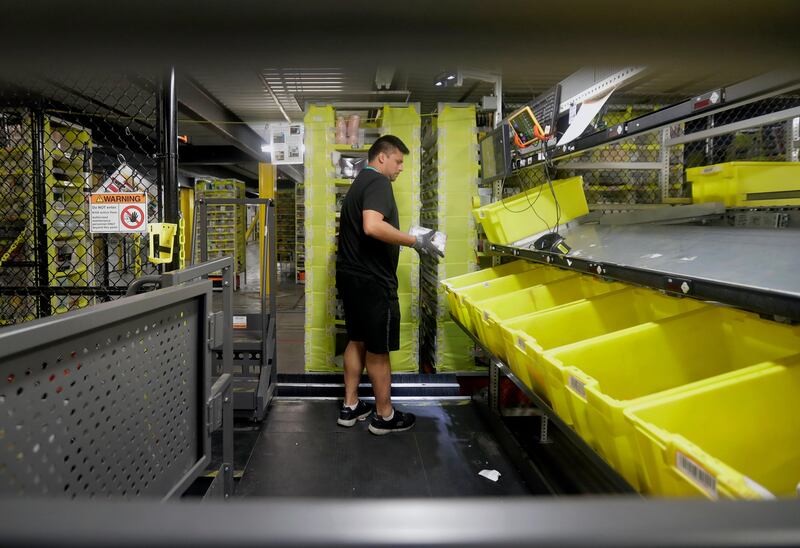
496, 155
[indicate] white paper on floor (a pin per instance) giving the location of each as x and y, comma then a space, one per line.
492, 475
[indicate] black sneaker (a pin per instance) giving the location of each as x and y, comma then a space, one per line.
399, 423
348, 417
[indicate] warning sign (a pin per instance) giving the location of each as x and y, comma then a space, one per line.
118, 212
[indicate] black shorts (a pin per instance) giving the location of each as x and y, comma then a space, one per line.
371, 312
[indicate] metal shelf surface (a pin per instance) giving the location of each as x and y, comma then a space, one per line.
750, 268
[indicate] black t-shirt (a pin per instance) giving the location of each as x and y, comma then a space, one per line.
361, 254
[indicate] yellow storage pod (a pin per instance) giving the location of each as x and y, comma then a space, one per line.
452, 285
741, 184
487, 315
532, 211
527, 337
738, 438
604, 375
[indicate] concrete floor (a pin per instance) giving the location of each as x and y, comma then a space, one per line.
291, 313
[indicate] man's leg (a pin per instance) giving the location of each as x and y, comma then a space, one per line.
379, 370
354, 361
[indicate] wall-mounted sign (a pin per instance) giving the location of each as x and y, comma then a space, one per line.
117, 212
286, 143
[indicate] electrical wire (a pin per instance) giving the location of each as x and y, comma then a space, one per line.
548, 165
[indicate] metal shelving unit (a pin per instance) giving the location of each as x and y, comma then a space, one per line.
701, 262
299, 234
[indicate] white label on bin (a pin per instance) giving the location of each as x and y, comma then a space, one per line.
521, 343
577, 386
485, 284
711, 169
486, 316
762, 491
696, 474
240, 322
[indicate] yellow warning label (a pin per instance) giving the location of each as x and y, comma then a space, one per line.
109, 198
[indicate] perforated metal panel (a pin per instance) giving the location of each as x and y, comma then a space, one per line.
113, 409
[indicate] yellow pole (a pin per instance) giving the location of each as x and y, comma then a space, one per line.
250, 229
267, 181
187, 212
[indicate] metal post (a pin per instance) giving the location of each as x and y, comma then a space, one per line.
273, 289
40, 212
663, 177
792, 140
544, 438
168, 144
227, 441
227, 369
227, 312
202, 229
494, 386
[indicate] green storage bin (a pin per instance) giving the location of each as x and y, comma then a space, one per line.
738, 438
604, 375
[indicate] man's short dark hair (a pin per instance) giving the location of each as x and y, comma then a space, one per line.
386, 144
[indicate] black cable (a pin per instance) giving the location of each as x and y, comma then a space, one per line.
548, 165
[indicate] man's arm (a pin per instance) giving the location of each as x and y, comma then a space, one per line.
376, 227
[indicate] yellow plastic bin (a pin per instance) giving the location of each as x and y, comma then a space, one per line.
603, 376
738, 438
741, 184
532, 211
454, 284
487, 315
472, 296
528, 337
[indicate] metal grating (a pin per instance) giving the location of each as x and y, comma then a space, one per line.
115, 410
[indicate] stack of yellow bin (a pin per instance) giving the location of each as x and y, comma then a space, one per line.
450, 171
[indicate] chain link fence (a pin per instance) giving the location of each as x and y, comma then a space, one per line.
650, 169
61, 139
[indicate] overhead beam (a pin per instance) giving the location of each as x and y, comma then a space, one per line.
220, 172
201, 106
292, 172
217, 155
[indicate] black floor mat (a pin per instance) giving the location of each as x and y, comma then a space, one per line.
302, 452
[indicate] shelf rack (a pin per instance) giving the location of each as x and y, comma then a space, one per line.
323, 194
227, 223
46, 167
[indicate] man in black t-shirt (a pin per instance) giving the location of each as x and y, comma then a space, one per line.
366, 279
